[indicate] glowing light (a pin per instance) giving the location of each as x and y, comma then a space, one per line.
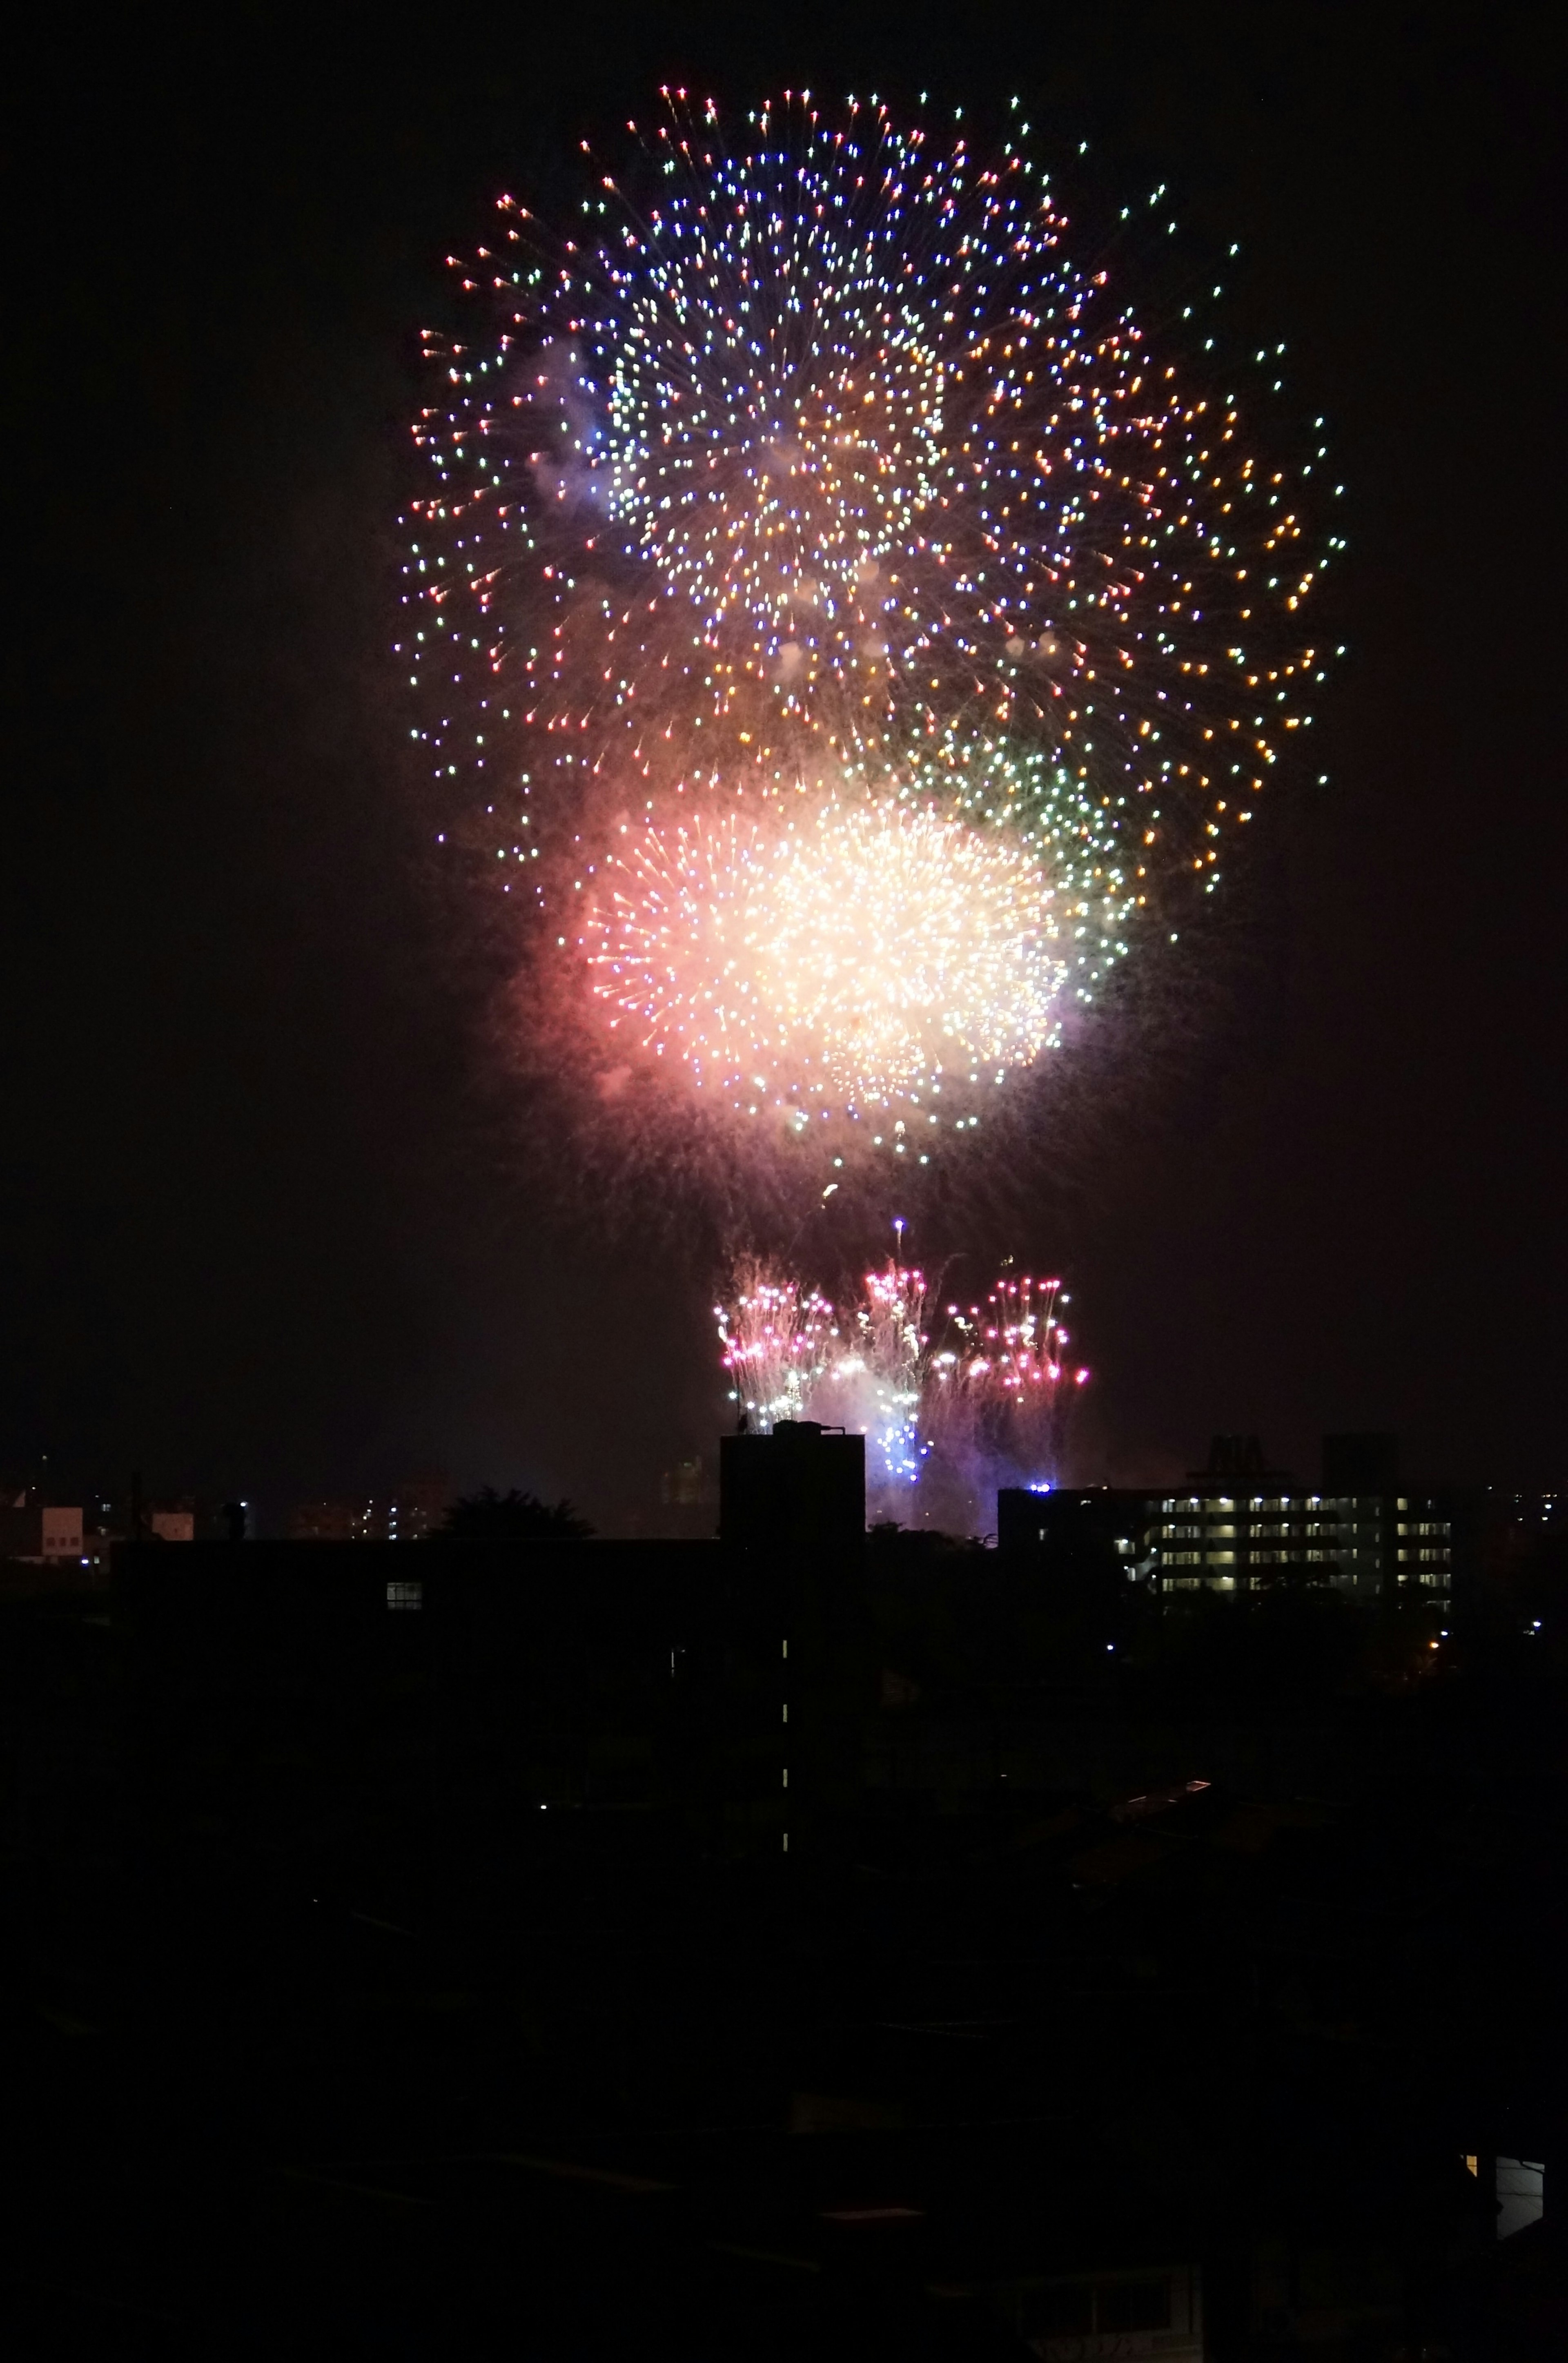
855, 956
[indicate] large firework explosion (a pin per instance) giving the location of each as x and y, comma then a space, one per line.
851, 956
839, 617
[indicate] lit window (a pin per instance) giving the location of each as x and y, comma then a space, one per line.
405, 1594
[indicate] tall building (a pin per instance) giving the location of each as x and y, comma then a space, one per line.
803, 1487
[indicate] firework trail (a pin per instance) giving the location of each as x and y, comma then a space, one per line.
838, 618
1005, 1386
776, 1335
877, 1384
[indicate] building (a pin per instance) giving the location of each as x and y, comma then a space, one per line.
1240, 1526
42, 1534
407, 1514
802, 1488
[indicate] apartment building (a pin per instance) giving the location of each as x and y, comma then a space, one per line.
1240, 1526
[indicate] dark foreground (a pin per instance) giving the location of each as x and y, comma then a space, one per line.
370, 2057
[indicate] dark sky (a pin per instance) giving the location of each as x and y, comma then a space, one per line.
263, 1224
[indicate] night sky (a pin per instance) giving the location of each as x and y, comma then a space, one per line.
267, 1221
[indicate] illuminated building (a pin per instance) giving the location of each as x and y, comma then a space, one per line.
1239, 1525
40, 1534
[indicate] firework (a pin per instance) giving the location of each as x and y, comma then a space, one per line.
876, 1383
853, 959
776, 1335
952, 1402
818, 554
1004, 1386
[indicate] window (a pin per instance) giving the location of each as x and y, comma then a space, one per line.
1183, 1559
405, 1594
1223, 1558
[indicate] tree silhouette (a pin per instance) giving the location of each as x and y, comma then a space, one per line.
488, 1516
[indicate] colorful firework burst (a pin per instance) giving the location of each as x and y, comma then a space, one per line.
867, 954
951, 1402
818, 471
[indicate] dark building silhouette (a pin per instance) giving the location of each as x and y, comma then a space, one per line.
1236, 1458
801, 1489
